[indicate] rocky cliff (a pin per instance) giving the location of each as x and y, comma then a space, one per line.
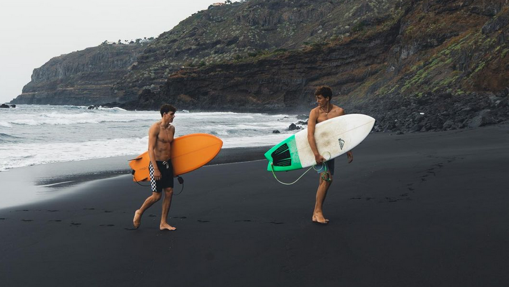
415, 66
243, 30
80, 78
220, 34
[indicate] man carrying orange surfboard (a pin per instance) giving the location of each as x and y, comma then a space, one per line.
324, 111
160, 137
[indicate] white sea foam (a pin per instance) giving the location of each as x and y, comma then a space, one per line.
33, 135
27, 154
5, 124
55, 118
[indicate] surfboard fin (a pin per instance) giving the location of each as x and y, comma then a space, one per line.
281, 156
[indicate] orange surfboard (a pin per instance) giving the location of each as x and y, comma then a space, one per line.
188, 153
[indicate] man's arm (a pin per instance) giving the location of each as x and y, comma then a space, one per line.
152, 140
313, 116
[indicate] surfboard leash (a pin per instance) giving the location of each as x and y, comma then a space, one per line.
288, 183
294, 182
311, 167
181, 181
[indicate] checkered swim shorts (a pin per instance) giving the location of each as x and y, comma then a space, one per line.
166, 169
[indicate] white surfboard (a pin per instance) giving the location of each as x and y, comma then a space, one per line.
333, 138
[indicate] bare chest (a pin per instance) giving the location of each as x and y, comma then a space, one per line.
323, 116
165, 136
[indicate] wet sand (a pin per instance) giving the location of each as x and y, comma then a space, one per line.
426, 209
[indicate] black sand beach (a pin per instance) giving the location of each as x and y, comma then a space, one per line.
425, 209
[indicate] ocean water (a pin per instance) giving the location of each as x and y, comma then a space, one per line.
41, 134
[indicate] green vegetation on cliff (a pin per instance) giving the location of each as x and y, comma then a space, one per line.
391, 58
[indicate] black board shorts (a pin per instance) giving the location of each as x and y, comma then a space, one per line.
330, 165
166, 169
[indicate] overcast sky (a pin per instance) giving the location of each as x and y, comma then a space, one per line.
34, 31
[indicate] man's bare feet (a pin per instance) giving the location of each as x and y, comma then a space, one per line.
166, 226
318, 218
137, 219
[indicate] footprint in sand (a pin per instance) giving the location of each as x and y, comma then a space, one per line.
243, 220
1, 218
75, 223
89, 208
27, 220
108, 211
358, 198
203, 221
52, 210
390, 199
277, 222
107, 225
55, 220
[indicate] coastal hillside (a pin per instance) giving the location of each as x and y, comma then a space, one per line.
247, 29
414, 65
423, 65
80, 78
221, 34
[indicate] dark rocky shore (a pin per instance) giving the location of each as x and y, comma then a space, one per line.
435, 112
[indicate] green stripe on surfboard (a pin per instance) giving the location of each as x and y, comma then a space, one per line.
284, 156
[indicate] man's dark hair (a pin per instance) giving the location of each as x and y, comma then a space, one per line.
167, 108
325, 91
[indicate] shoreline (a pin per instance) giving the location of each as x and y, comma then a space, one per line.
48, 181
41, 182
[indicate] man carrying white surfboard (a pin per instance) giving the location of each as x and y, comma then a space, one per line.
324, 111
160, 136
